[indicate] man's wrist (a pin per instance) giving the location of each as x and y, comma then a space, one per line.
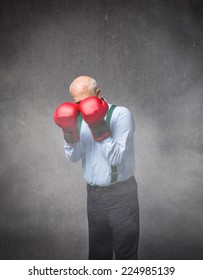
69, 138
100, 130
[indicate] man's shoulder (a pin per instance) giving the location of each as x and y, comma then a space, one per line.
120, 109
121, 114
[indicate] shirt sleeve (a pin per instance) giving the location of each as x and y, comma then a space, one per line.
122, 131
73, 152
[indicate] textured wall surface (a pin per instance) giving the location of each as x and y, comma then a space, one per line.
146, 55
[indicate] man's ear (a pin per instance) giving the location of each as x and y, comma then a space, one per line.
98, 92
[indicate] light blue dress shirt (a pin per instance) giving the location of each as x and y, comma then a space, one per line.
98, 157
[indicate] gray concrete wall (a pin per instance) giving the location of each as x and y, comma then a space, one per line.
146, 55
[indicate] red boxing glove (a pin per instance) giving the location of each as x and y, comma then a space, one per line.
65, 116
93, 110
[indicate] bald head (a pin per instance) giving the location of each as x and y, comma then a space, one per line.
82, 87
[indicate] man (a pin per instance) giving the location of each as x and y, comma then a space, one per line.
106, 148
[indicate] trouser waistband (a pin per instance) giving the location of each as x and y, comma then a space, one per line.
110, 187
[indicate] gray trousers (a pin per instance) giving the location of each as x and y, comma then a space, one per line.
113, 221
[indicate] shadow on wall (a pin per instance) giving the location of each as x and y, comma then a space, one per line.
44, 244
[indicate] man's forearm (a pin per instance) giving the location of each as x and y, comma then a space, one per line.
73, 152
